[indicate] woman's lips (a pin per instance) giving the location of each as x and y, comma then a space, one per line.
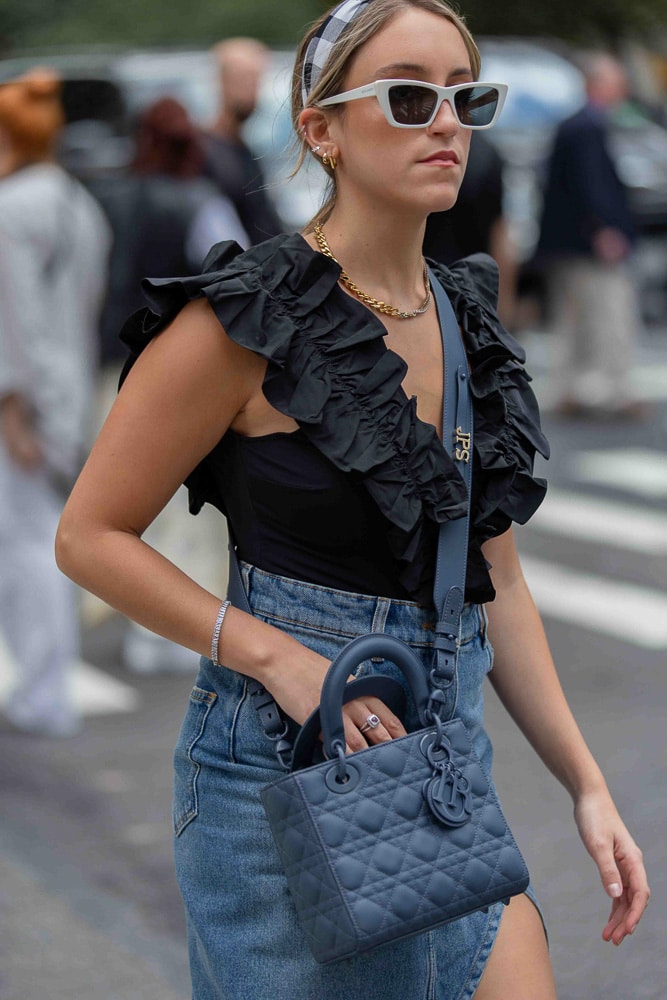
445, 158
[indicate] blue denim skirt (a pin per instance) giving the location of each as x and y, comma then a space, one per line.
244, 938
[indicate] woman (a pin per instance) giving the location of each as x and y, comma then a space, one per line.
164, 213
311, 419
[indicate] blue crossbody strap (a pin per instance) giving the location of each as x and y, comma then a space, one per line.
457, 438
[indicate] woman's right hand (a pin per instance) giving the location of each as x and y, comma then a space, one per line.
362, 712
298, 692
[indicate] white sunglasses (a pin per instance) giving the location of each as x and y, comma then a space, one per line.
414, 104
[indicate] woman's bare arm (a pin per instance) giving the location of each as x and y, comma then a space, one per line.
526, 681
189, 385
183, 392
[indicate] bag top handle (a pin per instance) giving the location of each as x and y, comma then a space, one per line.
345, 663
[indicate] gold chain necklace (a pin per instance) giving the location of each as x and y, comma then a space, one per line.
378, 304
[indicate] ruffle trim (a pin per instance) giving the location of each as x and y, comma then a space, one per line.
328, 368
507, 419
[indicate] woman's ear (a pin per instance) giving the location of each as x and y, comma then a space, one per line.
314, 124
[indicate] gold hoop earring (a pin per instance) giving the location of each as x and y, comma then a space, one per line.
329, 161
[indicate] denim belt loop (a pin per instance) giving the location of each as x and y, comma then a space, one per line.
379, 623
483, 624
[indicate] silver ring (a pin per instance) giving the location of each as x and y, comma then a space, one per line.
372, 722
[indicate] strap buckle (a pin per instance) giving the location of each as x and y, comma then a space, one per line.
275, 727
283, 748
435, 706
446, 645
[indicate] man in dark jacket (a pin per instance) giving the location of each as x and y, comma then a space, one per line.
587, 234
229, 161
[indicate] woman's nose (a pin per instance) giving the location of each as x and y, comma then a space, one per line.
445, 121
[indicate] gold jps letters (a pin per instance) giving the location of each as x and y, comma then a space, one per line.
462, 443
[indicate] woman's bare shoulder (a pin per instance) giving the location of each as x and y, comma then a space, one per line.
180, 396
196, 344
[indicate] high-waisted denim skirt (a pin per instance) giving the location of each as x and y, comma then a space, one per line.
244, 938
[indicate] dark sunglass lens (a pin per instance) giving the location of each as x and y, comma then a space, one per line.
476, 106
411, 104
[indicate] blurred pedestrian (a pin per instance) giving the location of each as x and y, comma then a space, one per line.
54, 242
164, 213
165, 217
586, 239
476, 223
229, 161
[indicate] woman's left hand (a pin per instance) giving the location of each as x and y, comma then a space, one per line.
619, 862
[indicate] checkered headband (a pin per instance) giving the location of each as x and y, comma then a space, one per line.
321, 44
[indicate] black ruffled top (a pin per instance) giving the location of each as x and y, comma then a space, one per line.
330, 370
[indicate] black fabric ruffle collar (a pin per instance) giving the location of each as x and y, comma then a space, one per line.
329, 369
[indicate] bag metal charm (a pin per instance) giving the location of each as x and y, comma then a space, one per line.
447, 792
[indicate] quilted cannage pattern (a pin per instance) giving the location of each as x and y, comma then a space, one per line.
372, 864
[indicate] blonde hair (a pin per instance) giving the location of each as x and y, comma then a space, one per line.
368, 23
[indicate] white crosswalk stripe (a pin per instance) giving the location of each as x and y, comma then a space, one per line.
623, 610
603, 522
611, 607
632, 470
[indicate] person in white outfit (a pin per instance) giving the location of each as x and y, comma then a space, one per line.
54, 243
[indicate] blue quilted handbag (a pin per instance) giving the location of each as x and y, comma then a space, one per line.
402, 836
395, 839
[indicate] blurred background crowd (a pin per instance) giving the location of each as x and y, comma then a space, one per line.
121, 160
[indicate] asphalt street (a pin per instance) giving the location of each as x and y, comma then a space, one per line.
89, 908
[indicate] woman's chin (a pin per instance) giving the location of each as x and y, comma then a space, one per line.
444, 200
